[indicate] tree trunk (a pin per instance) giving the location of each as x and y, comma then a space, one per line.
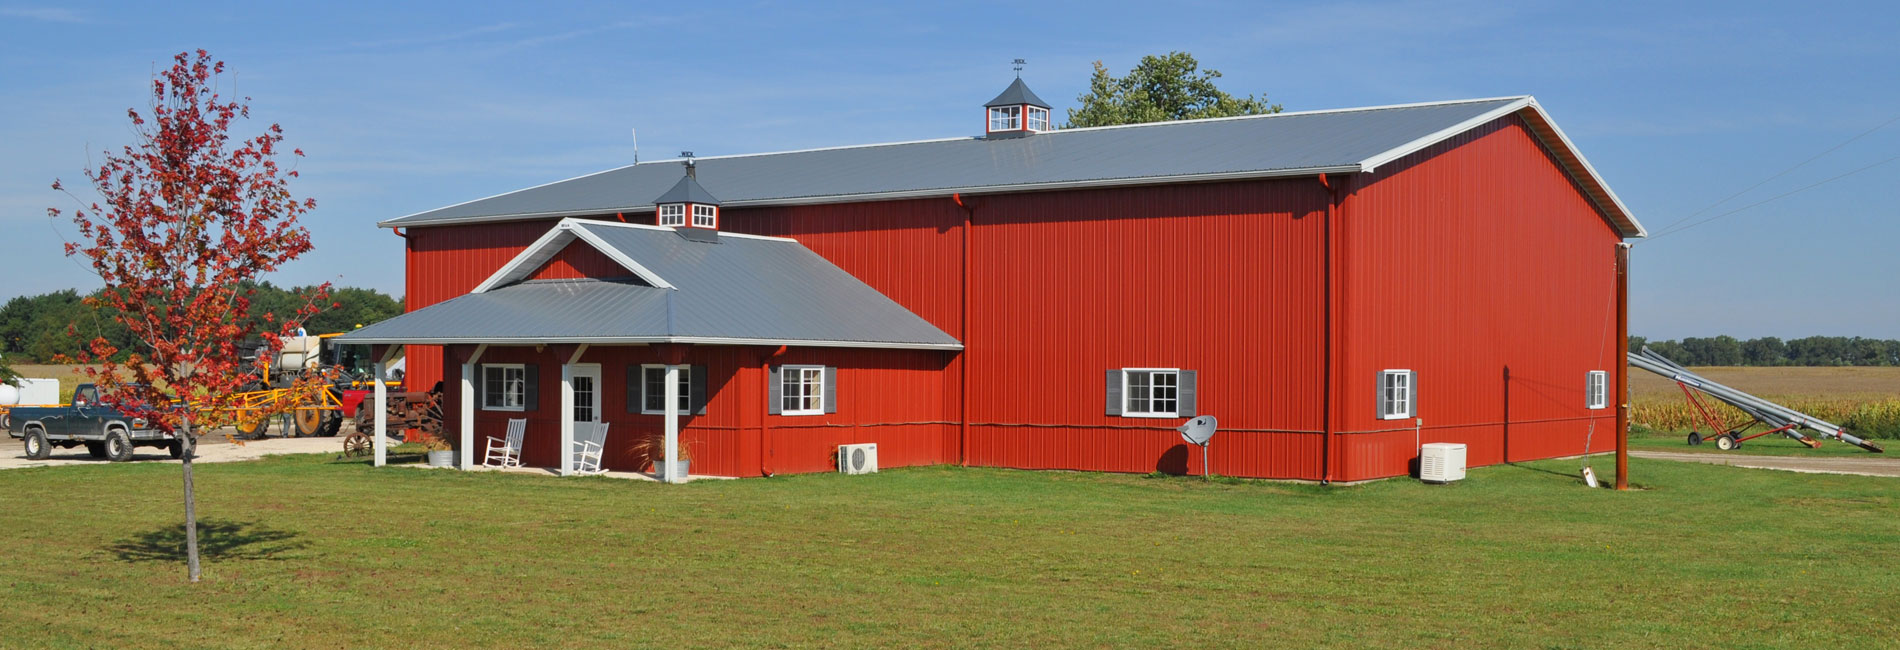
189, 443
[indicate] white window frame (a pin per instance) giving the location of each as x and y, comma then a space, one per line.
1038, 119
1006, 118
1399, 381
646, 388
520, 387
672, 214
812, 401
709, 214
1596, 390
1147, 407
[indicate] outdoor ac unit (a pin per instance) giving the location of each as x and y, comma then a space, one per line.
1441, 462
857, 459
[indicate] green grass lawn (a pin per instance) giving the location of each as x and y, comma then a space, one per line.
306, 552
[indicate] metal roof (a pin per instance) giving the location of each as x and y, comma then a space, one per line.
1260, 146
738, 290
687, 191
1017, 93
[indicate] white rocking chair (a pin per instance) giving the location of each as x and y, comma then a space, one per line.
506, 452
589, 450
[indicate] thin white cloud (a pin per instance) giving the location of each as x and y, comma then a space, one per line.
47, 14
433, 39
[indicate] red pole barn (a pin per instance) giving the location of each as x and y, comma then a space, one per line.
1338, 287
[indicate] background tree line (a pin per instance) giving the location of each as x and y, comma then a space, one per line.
33, 329
1771, 351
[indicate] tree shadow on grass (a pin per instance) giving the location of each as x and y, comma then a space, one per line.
218, 539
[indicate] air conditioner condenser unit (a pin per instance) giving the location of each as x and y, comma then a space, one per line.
857, 459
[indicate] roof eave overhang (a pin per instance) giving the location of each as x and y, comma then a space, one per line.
907, 194
647, 340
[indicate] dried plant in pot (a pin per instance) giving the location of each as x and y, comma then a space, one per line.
652, 446
440, 452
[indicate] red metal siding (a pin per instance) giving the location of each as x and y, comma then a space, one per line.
888, 397
1219, 278
443, 262
1458, 262
580, 260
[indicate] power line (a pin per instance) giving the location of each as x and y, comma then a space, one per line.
1774, 198
1783, 172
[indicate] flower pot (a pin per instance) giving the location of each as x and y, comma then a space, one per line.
683, 466
442, 458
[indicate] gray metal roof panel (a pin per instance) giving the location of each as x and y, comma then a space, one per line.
687, 190
1259, 144
741, 288
1017, 93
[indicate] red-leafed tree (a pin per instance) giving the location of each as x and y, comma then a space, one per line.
184, 216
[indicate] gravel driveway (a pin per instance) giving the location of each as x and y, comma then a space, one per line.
1871, 465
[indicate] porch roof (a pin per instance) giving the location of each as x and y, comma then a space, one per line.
738, 290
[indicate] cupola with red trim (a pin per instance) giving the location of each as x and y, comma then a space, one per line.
1017, 112
687, 205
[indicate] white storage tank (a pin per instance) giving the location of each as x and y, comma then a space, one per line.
29, 392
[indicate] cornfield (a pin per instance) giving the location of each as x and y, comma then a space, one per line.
1864, 417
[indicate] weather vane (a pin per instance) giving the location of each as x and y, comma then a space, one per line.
1018, 65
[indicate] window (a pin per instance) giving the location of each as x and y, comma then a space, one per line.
1038, 118
1397, 396
1006, 118
1596, 389
673, 214
705, 216
802, 390
1151, 392
504, 387
653, 399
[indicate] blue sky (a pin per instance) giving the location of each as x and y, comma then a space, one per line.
404, 107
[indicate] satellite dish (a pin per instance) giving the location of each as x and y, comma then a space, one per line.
1198, 430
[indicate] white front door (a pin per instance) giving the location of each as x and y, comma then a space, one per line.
586, 412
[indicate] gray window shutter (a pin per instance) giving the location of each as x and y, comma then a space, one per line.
697, 385
1114, 392
831, 389
1380, 401
775, 390
636, 388
531, 399
1184, 394
1411, 383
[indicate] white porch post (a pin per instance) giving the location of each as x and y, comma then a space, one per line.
380, 441
567, 410
382, 416
468, 408
673, 424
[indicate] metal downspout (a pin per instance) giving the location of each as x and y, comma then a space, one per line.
963, 374
1326, 388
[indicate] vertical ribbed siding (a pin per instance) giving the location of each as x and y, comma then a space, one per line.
1220, 278
1469, 257
443, 262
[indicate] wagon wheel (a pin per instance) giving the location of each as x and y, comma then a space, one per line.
309, 421
356, 444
